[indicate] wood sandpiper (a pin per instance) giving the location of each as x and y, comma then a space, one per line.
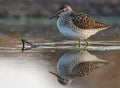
79, 26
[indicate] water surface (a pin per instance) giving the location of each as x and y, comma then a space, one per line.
30, 69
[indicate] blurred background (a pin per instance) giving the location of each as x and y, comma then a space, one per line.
26, 17
43, 8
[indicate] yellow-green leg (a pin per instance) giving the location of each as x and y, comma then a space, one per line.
79, 48
87, 44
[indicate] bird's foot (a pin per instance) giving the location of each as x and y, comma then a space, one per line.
80, 48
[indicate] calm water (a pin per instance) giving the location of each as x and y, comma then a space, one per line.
30, 69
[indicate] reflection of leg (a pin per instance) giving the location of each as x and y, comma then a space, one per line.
79, 42
87, 44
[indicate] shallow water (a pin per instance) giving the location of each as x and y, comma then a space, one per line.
30, 69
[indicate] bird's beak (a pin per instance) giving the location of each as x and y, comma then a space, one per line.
52, 17
56, 14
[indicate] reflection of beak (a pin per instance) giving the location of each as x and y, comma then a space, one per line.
56, 14
55, 74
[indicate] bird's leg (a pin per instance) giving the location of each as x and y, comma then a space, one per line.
87, 44
78, 42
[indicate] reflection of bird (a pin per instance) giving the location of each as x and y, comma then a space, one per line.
77, 64
77, 25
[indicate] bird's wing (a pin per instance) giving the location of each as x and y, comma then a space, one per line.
82, 69
85, 21
85, 68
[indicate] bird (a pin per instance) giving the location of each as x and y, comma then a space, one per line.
76, 64
77, 25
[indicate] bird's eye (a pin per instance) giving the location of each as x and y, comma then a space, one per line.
62, 10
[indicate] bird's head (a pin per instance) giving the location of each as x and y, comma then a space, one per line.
63, 10
62, 80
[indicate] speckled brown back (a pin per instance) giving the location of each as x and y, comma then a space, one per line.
85, 21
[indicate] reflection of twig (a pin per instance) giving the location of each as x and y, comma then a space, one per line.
23, 45
30, 44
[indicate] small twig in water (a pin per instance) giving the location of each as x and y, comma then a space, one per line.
30, 44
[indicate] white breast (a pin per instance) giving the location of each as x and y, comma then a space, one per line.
66, 29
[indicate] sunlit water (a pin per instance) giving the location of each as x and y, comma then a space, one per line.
30, 69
